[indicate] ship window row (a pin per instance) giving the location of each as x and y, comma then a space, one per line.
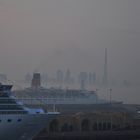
9, 101
10, 120
7, 98
2, 95
13, 112
10, 107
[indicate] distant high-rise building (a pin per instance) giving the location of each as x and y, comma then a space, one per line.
68, 76
28, 77
83, 78
92, 78
59, 76
3, 78
105, 76
44, 78
36, 81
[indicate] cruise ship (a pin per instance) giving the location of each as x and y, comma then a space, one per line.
37, 94
18, 122
43, 95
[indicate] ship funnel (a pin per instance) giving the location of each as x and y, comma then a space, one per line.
36, 81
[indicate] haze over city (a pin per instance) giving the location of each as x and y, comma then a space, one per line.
47, 35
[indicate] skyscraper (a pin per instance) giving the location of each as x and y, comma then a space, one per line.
59, 76
92, 78
105, 76
68, 76
83, 79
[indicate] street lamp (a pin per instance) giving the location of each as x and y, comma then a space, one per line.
97, 95
110, 93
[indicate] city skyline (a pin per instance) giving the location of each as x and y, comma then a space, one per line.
43, 36
69, 34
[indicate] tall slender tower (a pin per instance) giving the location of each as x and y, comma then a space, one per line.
105, 76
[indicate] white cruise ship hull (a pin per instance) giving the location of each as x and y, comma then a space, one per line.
22, 127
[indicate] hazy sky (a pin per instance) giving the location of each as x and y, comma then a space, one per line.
46, 35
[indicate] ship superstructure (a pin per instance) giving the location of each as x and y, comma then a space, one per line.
54, 95
59, 96
18, 122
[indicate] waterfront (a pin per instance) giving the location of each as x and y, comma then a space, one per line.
99, 122
109, 120
92, 136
